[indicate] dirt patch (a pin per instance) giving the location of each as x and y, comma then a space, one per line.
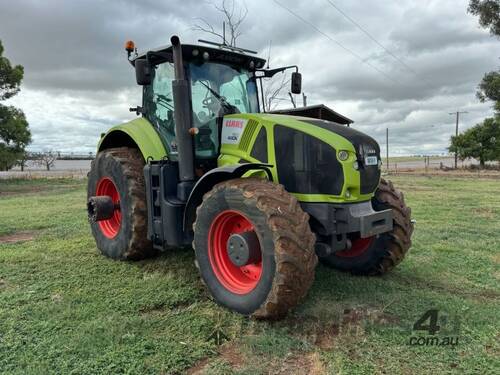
21, 236
231, 355
352, 324
485, 212
324, 329
156, 309
228, 353
199, 367
496, 258
294, 363
301, 363
22, 190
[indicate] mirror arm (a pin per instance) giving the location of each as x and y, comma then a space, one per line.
268, 73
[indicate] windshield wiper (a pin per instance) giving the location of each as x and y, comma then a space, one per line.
214, 93
225, 105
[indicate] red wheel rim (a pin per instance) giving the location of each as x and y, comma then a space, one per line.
110, 227
358, 247
239, 280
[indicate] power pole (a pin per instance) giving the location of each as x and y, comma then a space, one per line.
457, 113
387, 147
304, 100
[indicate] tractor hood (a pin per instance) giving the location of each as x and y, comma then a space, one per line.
310, 156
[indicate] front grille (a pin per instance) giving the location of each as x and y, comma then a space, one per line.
305, 164
364, 146
247, 135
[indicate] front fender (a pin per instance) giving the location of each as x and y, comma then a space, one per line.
213, 177
138, 132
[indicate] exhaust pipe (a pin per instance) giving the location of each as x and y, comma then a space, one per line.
183, 121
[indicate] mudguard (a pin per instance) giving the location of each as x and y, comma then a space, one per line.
213, 177
136, 133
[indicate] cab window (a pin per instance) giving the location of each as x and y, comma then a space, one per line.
159, 104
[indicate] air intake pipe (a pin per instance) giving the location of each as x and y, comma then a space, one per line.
183, 121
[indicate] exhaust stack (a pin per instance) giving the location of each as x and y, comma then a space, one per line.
183, 120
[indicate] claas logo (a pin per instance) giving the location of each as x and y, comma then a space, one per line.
234, 124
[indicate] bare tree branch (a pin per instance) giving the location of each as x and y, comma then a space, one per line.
207, 28
273, 89
233, 17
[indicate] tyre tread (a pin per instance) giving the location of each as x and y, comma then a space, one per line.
293, 239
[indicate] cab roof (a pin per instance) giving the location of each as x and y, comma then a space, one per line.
194, 53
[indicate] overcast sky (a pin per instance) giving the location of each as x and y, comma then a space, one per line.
78, 83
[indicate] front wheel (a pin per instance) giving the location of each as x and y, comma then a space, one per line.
254, 247
378, 254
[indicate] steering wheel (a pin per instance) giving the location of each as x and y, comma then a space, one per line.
211, 101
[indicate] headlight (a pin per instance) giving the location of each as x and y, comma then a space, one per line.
343, 155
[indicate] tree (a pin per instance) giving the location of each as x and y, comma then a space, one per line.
23, 159
273, 90
489, 14
14, 136
233, 17
489, 89
46, 159
489, 18
14, 132
481, 142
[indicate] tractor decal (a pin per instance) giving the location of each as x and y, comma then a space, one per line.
232, 130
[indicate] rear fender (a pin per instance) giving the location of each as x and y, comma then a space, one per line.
213, 177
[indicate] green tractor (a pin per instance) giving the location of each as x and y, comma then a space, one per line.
260, 196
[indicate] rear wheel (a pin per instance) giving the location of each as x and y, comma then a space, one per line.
118, 173
254, 247
378, 254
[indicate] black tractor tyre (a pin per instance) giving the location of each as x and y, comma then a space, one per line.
285, 242
387, 250
128, 240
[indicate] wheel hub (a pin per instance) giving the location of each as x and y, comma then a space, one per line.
358, 247
243, 248
111, 218
239, 268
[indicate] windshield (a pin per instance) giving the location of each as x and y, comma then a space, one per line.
210, 81
218, 89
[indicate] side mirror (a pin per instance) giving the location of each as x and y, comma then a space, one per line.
296, 83
142, 72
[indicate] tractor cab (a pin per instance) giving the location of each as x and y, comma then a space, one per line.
221, 80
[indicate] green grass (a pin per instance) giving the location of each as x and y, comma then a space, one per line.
65, 309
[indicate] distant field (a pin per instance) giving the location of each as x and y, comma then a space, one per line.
66, 309
400, 159
59, 165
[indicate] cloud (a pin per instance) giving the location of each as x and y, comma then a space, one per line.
78, 82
